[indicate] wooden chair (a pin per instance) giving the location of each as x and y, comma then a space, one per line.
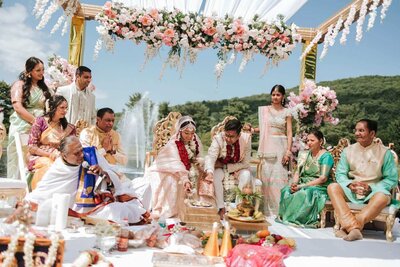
21, 143
162, 132
387, 215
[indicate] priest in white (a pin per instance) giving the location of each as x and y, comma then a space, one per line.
64, 176
81, 100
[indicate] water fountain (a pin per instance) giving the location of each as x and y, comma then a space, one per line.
136, 130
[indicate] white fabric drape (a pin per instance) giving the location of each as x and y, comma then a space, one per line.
266, 9
183, 5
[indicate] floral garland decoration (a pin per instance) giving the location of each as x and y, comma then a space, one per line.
11, 249
28, 249
189, 33
347, 23
311, 45
187, 152
372, 14
231, 156
360, 21
385, 7
313, 107
45, 14
51, 256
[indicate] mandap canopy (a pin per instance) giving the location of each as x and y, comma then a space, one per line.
232, 27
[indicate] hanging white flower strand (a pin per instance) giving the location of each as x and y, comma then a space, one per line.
39, 7
385, 7
372, 14
348, 22
47, 15
360, 21
326, 41
58, 24
311, 45
335, 32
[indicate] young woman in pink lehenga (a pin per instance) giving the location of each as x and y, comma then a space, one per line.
175, 170
275, 127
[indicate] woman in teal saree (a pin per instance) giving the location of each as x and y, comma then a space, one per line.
302, 202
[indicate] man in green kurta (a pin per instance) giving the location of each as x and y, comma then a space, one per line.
365, 173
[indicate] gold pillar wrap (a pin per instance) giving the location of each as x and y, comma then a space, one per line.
76, 40
308, 64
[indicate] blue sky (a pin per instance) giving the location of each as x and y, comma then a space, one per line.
117, 75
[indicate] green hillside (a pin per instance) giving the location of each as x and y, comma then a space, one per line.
375, 97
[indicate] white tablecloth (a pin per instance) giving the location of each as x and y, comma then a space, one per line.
315, 247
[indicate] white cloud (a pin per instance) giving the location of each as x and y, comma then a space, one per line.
19, 41
100, 94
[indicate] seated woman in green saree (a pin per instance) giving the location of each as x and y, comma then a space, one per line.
302, 202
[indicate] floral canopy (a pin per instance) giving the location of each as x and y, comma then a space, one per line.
231, 27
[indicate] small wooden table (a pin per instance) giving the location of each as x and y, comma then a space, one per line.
249, 226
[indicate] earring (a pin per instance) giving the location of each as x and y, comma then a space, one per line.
29, 76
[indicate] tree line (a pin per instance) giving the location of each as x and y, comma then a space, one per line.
374, 97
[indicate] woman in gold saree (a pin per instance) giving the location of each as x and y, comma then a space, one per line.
45, 137
302, 202
28, 96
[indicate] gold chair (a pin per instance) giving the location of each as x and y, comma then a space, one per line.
336, 151
387, 215
163, 130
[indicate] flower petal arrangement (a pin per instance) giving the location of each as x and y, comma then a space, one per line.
188, 33
313, 107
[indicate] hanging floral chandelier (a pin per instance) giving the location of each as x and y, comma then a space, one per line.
188, 33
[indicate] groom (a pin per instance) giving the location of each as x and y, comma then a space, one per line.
230, 152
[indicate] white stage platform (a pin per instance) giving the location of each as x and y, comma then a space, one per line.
315, 247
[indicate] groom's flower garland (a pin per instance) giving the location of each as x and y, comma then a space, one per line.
187, 34
231, 156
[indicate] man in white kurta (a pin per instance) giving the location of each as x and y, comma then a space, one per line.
229, 152
81, 100
63, 177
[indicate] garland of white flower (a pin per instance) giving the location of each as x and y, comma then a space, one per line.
385, 7
46, 14
9, 254
52, 253
335, 32
327, 41
11, 249
372, 14
28, 249
348, 22
311, 45
360, 21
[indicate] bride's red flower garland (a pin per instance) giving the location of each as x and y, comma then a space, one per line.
183, 154
229, 158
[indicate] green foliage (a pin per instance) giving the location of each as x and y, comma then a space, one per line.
163, 110
133, 99
374, 97
5, 102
